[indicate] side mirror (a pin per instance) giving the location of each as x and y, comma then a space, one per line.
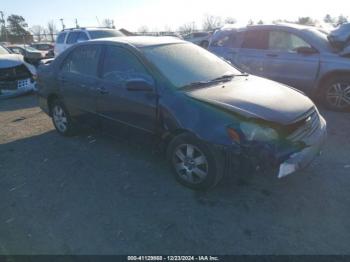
305, 50
139, 85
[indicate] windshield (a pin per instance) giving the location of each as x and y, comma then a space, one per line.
3, 51
186, 63
319, 36
104, 34
28, 48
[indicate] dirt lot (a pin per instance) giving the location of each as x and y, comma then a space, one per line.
94, 194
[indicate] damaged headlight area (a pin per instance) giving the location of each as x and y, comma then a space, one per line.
256, 132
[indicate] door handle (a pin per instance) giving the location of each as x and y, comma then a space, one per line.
272, 55
102, 90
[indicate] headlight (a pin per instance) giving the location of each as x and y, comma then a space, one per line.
255, 132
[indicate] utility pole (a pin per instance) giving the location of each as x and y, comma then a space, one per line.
63, 26
76, 23
3, 22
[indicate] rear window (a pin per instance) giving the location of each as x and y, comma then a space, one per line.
104, 33
254, 39
72, 37
60, 38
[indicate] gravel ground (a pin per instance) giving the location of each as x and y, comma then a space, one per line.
93, 194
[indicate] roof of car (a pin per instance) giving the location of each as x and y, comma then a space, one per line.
142, 41
266, 26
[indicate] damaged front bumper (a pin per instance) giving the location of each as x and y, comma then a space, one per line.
282, 158
303, 158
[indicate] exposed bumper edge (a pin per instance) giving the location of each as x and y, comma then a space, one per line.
303, 158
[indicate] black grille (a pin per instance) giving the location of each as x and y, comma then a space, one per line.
14, 73
306, 127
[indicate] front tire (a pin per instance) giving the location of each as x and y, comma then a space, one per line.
336, 93
195, 164
61, 119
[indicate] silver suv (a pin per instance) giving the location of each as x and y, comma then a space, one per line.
299, 56
71, 36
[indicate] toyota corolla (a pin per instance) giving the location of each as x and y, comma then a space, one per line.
210, 116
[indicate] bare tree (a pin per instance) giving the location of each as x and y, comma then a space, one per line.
52, 30
261, 22
250, 22
187, 28
305, 21
37, 31
143, 30
211, 22
342, 20
230, 20
108, 23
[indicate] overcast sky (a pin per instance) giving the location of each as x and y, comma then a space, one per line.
157, 14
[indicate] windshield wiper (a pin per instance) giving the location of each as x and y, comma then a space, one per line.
223, 78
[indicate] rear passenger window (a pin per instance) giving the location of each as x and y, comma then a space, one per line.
121, 65
72, 37
60, 38
82, 37
83, 60
254, 39
227, 39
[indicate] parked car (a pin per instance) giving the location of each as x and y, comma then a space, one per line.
199, 38
30, 54
296, 55
209, 116
48, 47
69, 37
16, 76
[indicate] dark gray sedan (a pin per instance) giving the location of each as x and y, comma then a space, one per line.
209, 117
299, 56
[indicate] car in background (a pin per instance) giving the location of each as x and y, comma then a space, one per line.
71, 36
209, 116
30, 54
296, 55
16, 76
48, 47
199, 38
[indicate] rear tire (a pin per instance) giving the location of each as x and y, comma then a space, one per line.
336, 93
194, 163
204, 44
61, 119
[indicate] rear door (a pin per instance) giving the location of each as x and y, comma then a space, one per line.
115, 102
60, 43
78, 79
252, 53
284, 64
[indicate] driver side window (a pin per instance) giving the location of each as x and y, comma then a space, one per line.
285, 42
120, 65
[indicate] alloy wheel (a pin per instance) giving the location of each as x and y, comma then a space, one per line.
60, 118
338, 95
190, 163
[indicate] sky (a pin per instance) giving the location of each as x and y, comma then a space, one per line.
167, 14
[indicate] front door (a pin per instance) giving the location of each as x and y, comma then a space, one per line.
283, 62
117, 103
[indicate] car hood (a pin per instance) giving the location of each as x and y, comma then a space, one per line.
258, 98
10, 60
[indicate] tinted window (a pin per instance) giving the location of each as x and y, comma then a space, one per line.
284, 41
121, 65
227, 39
72, 37
60, 38
104, 33
82, 37
83, 60
254, 39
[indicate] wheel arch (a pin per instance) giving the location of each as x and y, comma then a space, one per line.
50, 98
